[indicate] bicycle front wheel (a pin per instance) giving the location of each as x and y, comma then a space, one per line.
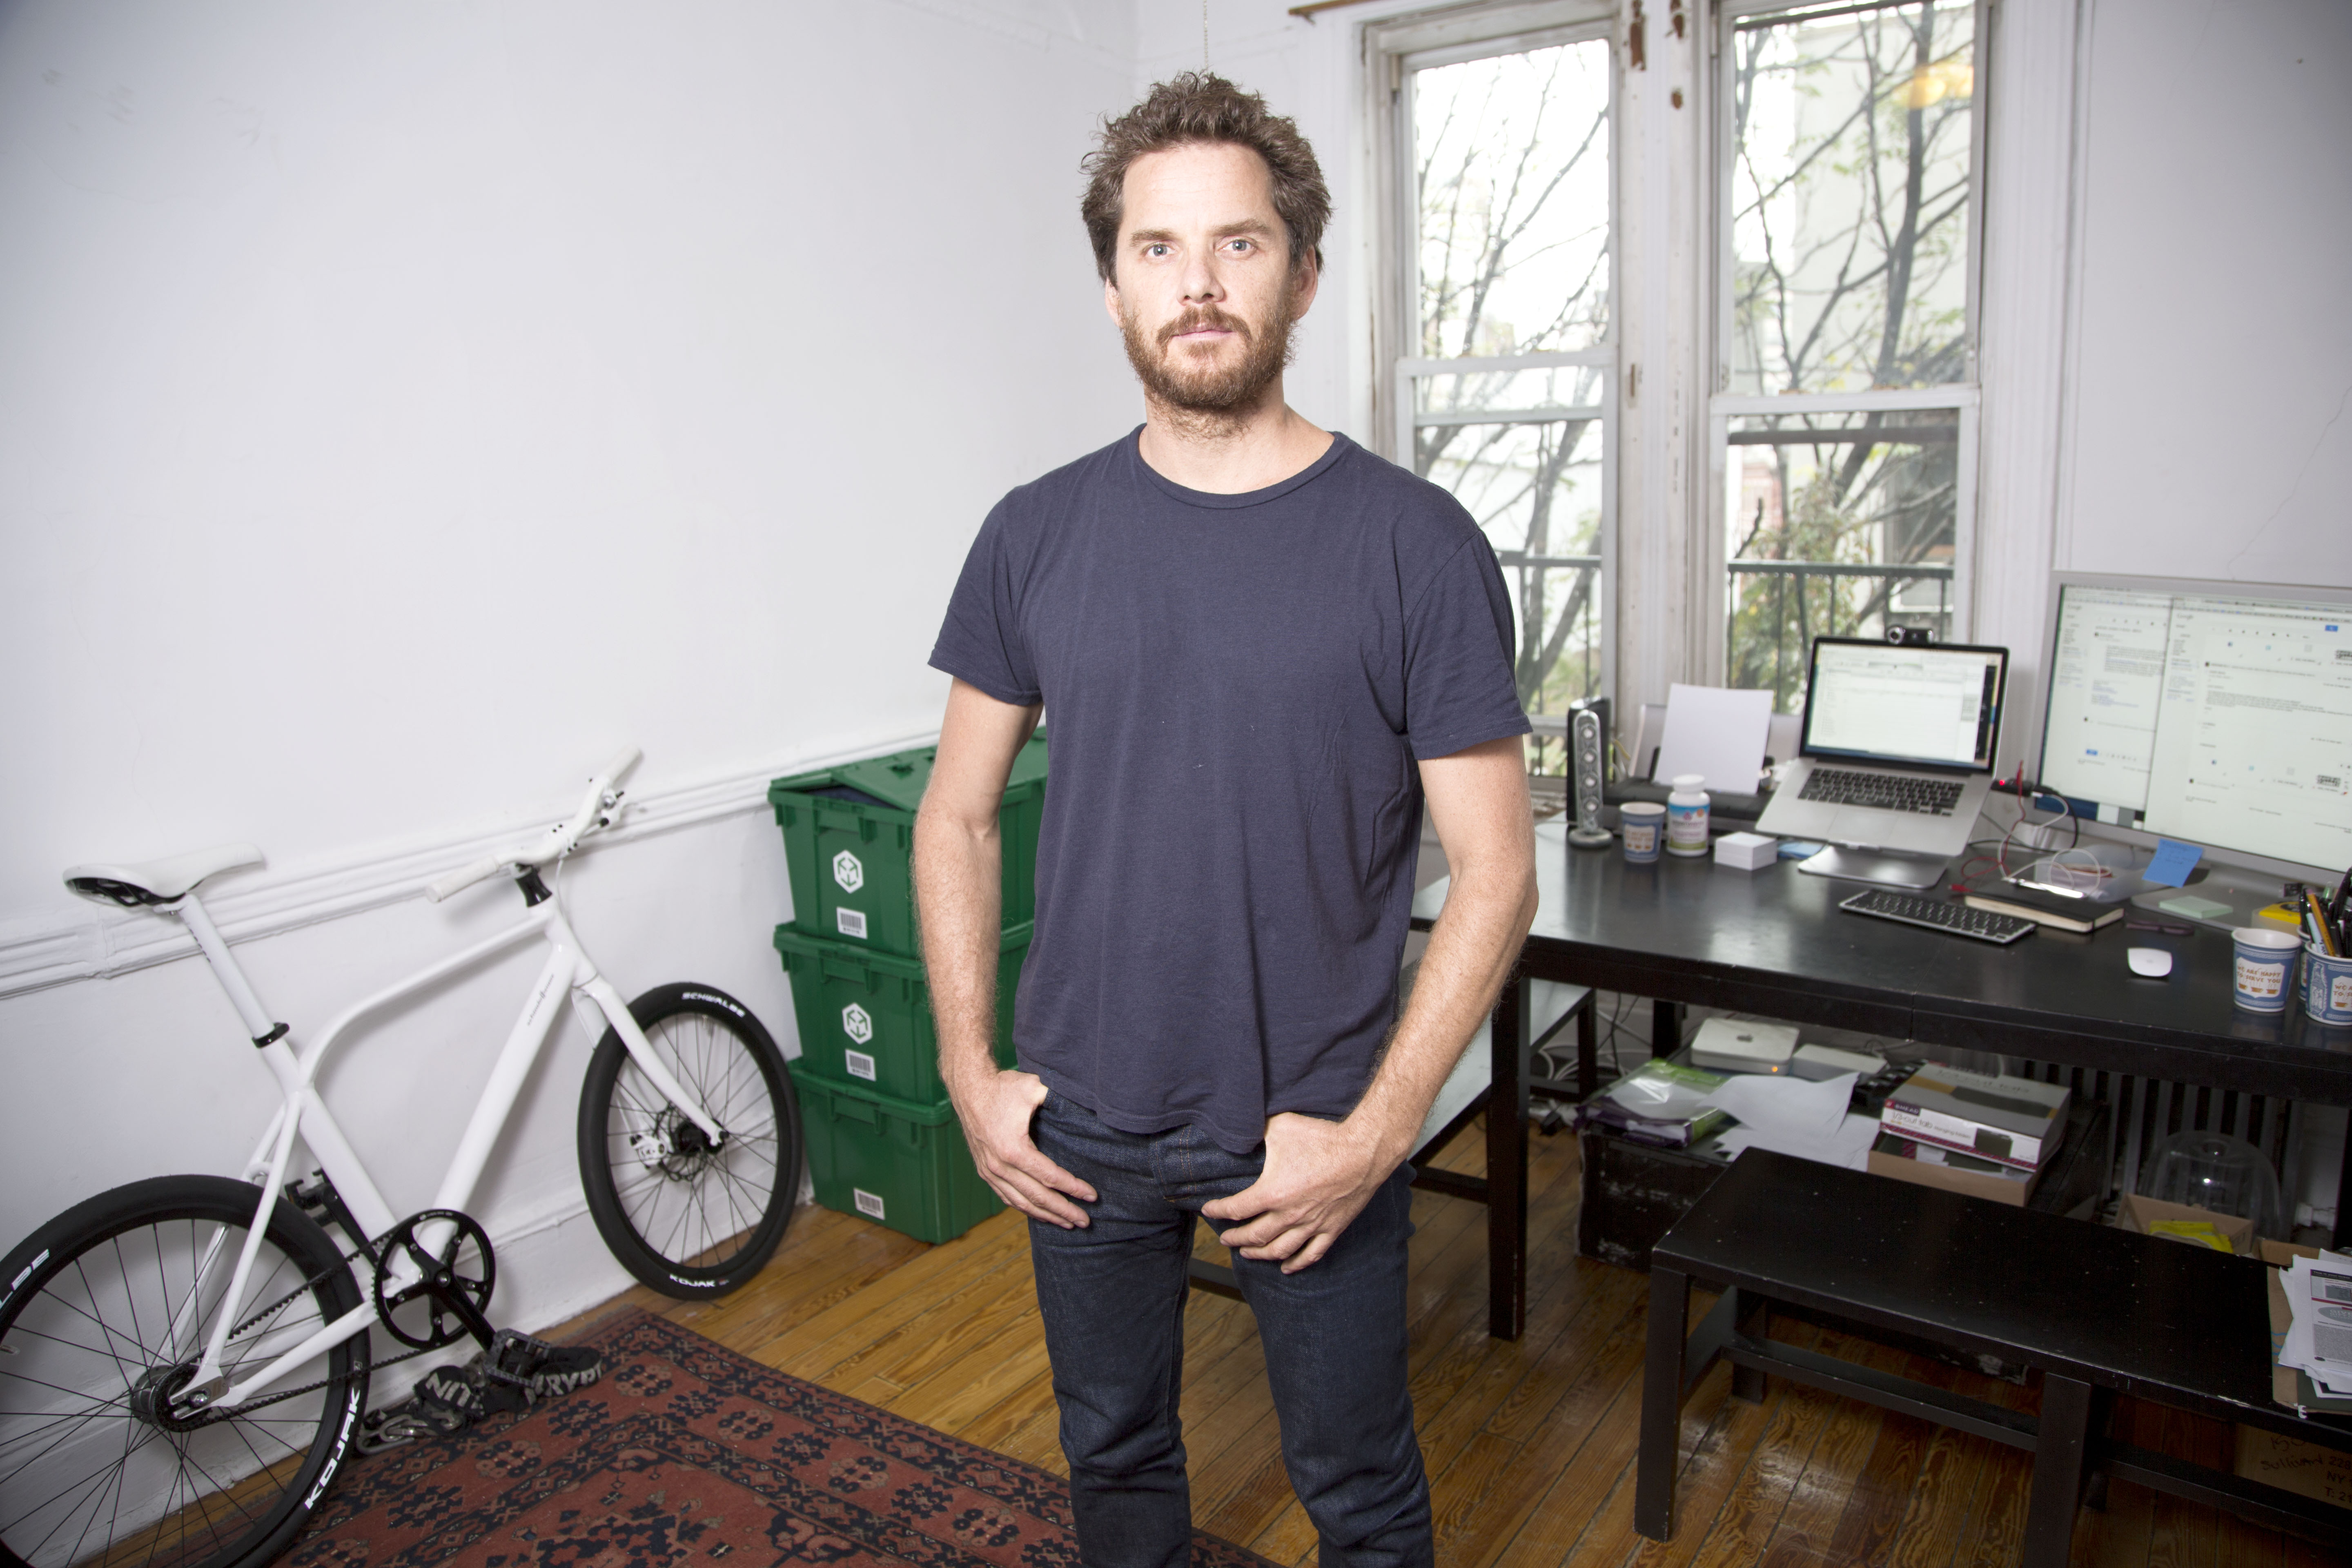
688, 1215
108, 1310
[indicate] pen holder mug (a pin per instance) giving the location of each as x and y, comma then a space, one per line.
1642, 825
2327, 987
2265, 966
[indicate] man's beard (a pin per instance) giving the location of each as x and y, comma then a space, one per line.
1215, 396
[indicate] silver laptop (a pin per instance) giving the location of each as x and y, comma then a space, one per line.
1895, 759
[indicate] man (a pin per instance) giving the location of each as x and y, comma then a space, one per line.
1263, 649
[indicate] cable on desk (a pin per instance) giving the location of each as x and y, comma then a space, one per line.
2027, 794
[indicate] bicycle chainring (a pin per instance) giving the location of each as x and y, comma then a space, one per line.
454, 1283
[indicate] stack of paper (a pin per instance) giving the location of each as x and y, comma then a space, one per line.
1791, 1116
2319, 1334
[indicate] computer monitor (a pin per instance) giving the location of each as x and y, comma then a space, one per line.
2219, 714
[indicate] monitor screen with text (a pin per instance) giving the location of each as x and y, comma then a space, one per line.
1931, 706
2223, 719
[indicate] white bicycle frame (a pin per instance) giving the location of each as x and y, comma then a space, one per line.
303, 1113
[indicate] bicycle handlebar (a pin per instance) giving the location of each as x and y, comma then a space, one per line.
458, 880
594, 812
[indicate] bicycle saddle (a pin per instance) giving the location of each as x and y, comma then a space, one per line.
158, 882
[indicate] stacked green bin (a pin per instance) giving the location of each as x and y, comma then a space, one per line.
865, 1017
898, 1163
849, 841
883, 1140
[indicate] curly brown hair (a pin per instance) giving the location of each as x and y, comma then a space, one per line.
1197, 107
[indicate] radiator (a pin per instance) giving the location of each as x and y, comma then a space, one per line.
2146, 1110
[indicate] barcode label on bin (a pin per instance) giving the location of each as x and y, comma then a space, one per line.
859, 1063
868, 1203
851, 922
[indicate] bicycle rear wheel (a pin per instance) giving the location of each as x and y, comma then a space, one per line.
690, 1217
107, 1312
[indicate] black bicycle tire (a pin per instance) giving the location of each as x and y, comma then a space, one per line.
45, 1257
672, 1277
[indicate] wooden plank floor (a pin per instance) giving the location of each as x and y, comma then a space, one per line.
1530, 1445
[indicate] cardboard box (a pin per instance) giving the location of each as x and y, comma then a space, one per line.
2321, 1474
2139, 1212
1970, 1184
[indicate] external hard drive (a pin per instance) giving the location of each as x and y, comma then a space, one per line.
1724, 1044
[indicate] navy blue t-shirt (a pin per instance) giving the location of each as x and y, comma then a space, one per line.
1237, 689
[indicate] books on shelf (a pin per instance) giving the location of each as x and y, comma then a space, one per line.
1659, 1102
2012, 1121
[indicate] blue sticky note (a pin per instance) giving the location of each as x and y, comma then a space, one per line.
2174, 860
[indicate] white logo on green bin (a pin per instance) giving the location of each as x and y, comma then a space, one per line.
856, 1023
848, 872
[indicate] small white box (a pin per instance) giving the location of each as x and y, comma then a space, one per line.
1747, 851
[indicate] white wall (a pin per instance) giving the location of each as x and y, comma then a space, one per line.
403, 405
2213, 352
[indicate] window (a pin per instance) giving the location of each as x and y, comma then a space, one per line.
1505, 361
1845, 426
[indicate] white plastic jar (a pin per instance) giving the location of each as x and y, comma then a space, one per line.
1686, 816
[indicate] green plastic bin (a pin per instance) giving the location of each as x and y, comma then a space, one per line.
849, 839
865, 1017
905, 1166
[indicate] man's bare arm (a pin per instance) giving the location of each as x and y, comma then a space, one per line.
958, 886
1319, 1174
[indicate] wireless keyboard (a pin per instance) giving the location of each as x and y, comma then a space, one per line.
1939, 915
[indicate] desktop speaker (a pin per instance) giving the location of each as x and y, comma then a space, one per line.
1587, 765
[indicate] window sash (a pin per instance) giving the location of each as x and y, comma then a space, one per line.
1735, 15
1403, 52
1724, 407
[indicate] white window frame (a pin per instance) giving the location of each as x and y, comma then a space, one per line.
1395, 50
1724, 407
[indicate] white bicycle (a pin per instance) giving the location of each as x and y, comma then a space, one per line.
184, 1361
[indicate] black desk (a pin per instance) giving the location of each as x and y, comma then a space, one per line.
1774, 942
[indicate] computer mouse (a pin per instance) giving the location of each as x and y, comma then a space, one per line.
2152, 961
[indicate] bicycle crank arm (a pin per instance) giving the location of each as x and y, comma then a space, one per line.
444, 1292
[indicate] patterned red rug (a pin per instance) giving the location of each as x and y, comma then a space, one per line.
686, 1451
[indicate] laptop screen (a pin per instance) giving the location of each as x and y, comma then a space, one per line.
1937, 705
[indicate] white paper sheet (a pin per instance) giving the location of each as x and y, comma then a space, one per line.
1803, 1107
1849, 1146
1718, 734
2300, 1350
1793, 1116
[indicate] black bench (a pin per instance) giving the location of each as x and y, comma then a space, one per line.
2097, 1311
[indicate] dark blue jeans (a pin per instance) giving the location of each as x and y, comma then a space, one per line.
1112, 1296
